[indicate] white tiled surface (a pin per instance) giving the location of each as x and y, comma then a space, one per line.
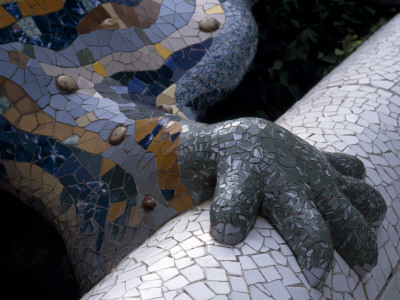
355, 110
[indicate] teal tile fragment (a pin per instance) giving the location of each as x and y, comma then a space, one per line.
87, 4
5, 103
28, 50
85, 57
28, 25
143, 36
72, 140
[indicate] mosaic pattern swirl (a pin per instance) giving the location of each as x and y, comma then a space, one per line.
81, 139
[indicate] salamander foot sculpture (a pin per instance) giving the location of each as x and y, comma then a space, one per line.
315, 200
82, 143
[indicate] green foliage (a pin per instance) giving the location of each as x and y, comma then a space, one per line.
300, 41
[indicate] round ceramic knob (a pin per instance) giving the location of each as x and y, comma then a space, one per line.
66, 84
110, 24
149, 203
117, 135
209, 25
165, 108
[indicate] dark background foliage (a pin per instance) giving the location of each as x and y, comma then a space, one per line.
300, 42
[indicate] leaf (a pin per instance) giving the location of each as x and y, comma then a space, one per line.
277, 65
338, 52
295, 23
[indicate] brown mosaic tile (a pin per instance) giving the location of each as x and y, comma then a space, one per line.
28, 123
45, 129
18, 58
5, 18
12, 115
26, 106
62, 131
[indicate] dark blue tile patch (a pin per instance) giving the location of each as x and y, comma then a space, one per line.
145, 86
168, 194
13, 9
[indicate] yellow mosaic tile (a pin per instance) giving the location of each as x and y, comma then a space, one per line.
144, 127
12, 115
62, 131
24, 169
101, 146
177, 204
95, 145
45, 129
26, 106
167, 96
215, 10
171, 181
106, 165
155, 148
135, 218
159, 136
28, 123
12, 91
43, 118
180, 189
5, 18
91, 116
116, 209
162, 176
99, 69
187, 200
164, 52
25, 8
11, 169
36, 172
79, 131
49, 179
82, 121
88, 135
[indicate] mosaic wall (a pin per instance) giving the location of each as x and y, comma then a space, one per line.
354, 110
82, 141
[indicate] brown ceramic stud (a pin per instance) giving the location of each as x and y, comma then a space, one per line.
165, 108
66, 84
117, 135
149, 203
110, 24
208, 25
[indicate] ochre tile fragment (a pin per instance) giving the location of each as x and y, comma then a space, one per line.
26, 106
62, 131
215, 10
88, 135
5, 18
28, 123
106, 165
135, 218
45, 129
116, 209
24, 169
43, 118
171, 182
18, 58
12, 115
164, 52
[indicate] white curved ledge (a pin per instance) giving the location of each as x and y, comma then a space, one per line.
355, 109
